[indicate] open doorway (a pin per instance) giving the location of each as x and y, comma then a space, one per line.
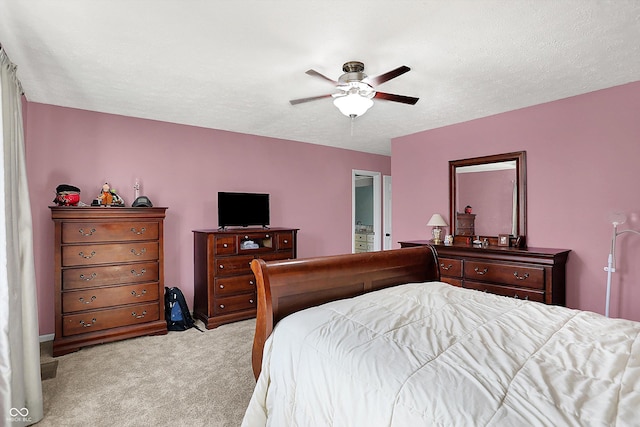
366, 211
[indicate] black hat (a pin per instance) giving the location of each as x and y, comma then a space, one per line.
66, 187
142, 202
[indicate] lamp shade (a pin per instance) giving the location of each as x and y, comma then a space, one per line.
353, 104
618, 218
437, 221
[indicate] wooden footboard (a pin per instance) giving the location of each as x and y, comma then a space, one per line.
285, 287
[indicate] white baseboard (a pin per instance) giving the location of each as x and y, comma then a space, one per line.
48, 337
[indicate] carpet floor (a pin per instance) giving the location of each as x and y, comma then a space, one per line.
188, 378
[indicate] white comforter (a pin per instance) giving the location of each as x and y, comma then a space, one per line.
433, 354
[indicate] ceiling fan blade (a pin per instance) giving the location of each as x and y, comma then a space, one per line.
312, 98
322, 76
378, 80
396, 98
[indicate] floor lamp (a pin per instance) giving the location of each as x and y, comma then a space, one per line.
617, 219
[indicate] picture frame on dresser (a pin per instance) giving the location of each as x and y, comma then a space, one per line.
503, 239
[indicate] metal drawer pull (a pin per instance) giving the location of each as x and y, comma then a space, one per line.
221, 266
221, 286
251, 282
224, 245
142, 230
142, 252
144, 313
286, 241
91, 255
93, 298
484, 271
221, 305
138, 295
448, 267
251, 301
93, 276
525, 276
86, 325
81, 231
138, 274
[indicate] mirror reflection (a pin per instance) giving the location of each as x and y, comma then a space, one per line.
493, 212
488, 195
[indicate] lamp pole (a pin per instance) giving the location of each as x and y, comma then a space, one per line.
611, 262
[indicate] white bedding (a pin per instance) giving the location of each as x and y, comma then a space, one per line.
433, 354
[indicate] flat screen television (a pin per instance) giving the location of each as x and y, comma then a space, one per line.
242, 209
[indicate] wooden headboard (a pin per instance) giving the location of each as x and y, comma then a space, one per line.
285, 287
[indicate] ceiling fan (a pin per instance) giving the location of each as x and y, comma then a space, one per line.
356, 90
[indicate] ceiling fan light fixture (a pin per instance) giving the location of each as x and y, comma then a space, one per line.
355, 90
353, 105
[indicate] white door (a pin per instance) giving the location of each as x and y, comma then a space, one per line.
386, 213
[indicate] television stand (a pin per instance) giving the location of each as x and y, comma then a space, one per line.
224, 285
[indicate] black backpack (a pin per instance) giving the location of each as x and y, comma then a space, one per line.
176, 311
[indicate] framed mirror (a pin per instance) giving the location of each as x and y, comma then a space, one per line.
488, 197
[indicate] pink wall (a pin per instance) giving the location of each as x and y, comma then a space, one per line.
582, 164
183, 168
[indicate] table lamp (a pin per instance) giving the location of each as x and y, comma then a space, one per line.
437, 222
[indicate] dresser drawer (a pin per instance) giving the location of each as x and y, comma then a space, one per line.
225, 286
450, 267
518, 275
361, 245
92, 232
98, 320
285, 241
109, 253
235, 303
225, 245
94, 276
90, 299
233, 265
507, 291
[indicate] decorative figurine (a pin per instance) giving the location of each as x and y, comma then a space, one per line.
468, 209
109, 197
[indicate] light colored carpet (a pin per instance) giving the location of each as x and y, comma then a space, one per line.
188, 378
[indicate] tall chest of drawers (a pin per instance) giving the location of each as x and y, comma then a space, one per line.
536, 274
224, 285
109, 275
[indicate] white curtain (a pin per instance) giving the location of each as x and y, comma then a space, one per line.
20, 385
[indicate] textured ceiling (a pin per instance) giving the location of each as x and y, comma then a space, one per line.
233, 65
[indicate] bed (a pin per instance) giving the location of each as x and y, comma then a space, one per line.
375, 339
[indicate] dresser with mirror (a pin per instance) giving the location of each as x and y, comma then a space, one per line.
493, 190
